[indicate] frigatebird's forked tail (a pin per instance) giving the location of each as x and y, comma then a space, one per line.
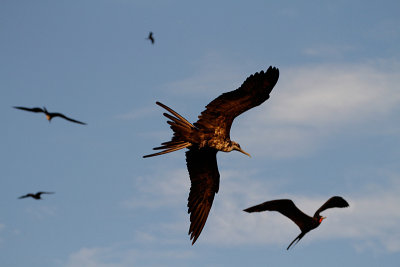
182, 132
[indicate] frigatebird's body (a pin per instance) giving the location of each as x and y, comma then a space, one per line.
303, 221
35, 196
209, 135
49, 115
150, 37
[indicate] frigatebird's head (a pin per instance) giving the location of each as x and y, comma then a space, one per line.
236, 146
48, 117
320, 219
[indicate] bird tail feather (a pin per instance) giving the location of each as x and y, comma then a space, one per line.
297, 239
182, 130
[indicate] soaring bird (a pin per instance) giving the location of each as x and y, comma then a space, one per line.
209, 135
151, 38
303, 221
49, 115
35, 196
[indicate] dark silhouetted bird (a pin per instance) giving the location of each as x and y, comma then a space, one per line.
151, 38
49, 115
35, 196
303, 221
209, 135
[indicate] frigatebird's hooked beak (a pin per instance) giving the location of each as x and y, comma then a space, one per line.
241, 150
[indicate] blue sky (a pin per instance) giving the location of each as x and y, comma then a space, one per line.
329, 128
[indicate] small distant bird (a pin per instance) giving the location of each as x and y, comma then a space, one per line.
49, 115
209, 135
35, 196
151, 38
303, 221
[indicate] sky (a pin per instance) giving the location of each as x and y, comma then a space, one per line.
329, 128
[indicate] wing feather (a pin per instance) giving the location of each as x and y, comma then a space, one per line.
220, 113
65, 117
285, 207
333, 202
30, 109
204, 177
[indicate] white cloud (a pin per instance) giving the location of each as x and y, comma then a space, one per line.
372, 218
119, 256
326, 94
311, 103
91, 257
160, 189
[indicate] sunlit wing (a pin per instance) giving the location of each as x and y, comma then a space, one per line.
285, 207
220, 113
65, 117
30, 109
333, 202
204, 177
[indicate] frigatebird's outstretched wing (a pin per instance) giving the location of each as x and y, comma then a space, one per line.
220, 113
285, 207
333, 202
30, 109
204, 177
65, 117
25, 196
39, 193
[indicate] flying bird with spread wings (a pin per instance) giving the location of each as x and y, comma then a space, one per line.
150, 37
209, 135
49, 115
303, 221
35, 196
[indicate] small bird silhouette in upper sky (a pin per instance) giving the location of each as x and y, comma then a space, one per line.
49, 115
303, 221
209, 135
151, 38
35, 196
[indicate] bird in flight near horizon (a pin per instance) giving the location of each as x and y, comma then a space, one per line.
303, 221
151, 38
35, 196
209, 135
49, 115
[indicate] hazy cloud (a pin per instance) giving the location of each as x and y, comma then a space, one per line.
373, 212
310, 103
120, 256
328, 50
372, 217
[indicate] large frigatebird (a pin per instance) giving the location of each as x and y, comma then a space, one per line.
303, 221
49, 115
35, 196
209, 135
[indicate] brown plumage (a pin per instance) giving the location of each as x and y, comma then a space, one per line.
209, 135
35, 196
303, 221
49, 115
